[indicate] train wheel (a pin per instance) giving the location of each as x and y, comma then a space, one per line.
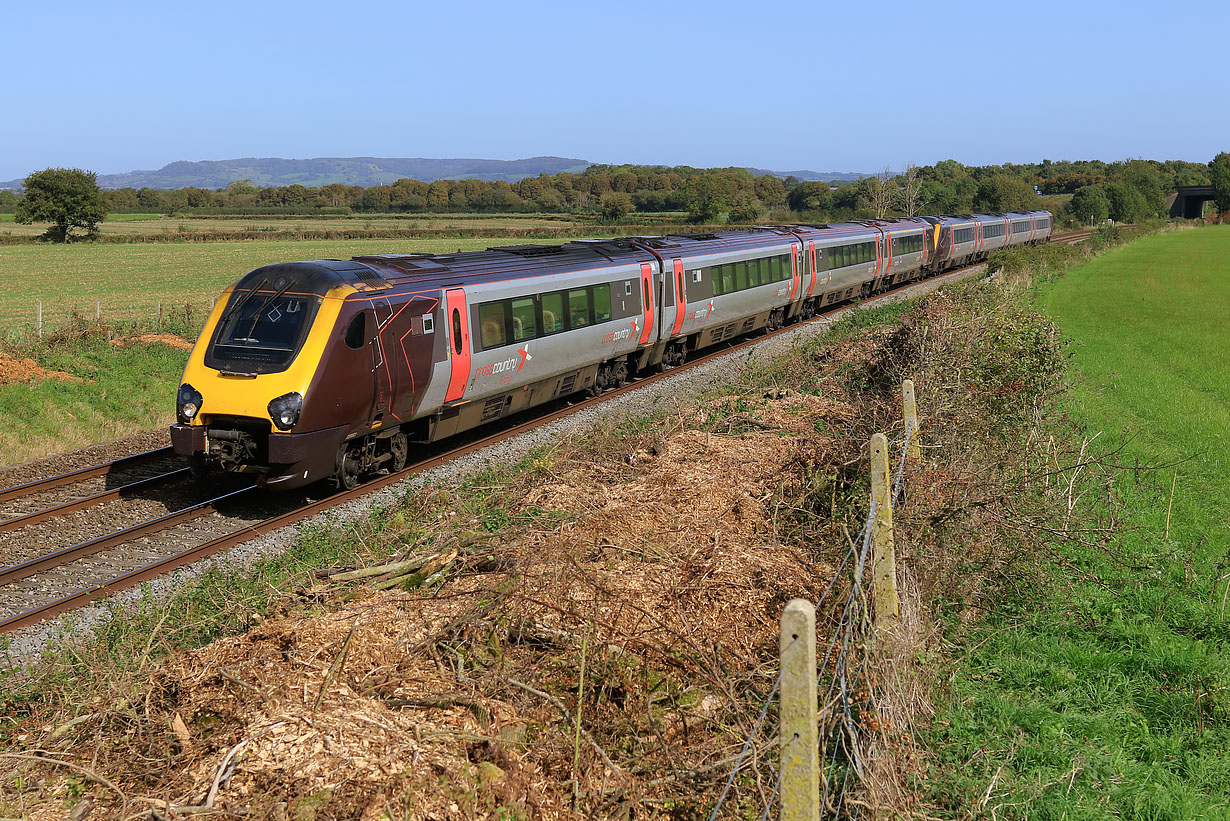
399, 446
349, 469
676, 354
198, 468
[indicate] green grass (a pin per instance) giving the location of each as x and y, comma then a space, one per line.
75, 275
163, 226
124, 390
1108, 696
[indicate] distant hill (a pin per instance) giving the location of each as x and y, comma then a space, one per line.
363, 171
812, 176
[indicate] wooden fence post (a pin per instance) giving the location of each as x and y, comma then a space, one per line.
158, 317
883, 555
910, 409
97, 311
38, 322
799, 749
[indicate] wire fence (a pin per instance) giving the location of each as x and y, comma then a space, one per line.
48, 319
845, 696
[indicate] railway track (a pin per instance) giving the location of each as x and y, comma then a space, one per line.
225, 519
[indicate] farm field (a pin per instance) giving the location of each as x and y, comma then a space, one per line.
1102, 691
72, 276
153, 226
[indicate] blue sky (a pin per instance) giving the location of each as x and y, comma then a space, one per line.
120, 86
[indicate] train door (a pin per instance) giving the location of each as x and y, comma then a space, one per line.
459, 343
811, 263
681, 298
795, 276
382, 387
646, 302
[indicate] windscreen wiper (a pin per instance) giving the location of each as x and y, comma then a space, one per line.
256, 315
238, 306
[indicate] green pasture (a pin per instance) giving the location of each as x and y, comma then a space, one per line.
1105, 691
74, 276
154, 226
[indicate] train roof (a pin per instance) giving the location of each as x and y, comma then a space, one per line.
374, 272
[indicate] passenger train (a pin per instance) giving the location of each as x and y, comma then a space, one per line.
336, 369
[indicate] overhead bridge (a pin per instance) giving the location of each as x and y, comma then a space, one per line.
1188, 202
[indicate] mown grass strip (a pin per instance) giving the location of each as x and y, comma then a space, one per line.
1106, 692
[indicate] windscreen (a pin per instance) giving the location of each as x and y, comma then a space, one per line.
261, 332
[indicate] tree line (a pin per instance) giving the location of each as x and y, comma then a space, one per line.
1124, 191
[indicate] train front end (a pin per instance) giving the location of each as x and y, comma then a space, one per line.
240, 406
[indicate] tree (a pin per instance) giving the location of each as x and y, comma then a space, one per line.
909, 197
1219, 174
615, 205
67, 198
707, 197
1090, 203
878, 193
746, 210
1001, 192
810, 196
1144, 177
1126, 202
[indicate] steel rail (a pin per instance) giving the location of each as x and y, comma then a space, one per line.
69, 554
195, 554
81, 474
46, 513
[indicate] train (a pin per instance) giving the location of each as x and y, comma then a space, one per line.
336, 370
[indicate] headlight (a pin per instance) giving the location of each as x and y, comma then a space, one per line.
284, 411
187, 403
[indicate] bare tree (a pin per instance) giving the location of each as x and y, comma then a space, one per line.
881, 192
909, 195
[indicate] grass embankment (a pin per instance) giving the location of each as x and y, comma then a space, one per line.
97, 390
1101, 689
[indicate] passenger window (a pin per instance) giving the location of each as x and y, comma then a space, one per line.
756, 274
457, 330
578, 308
355, 331
525, 326
552, 313
742, 273
602, 303
491, 324
728, 277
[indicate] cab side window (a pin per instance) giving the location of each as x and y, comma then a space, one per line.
356, 331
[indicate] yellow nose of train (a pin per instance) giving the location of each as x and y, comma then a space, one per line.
242, 396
